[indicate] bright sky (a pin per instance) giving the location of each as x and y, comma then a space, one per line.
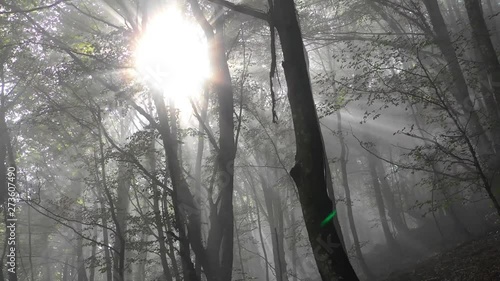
172, 56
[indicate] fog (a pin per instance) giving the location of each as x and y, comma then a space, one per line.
250, 140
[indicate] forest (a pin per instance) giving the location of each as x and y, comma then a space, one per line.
220, 140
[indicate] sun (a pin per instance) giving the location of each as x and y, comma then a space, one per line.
171, 56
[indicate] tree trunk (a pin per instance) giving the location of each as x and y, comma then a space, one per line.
121, 224
93, 261
259, 225
161, 236
3, 181
218, 256
142, 251
220, 240
436, 176
293, 244
182, 201
6, 157
199, 160
391, 242
80, 259
240, 256
310, 170
158, 215
101, 192
105, 240
171, 249
492, 10
345, 184
482, 37
487, 56
275, 220
461, 92
394, 211
475, 132
30, 246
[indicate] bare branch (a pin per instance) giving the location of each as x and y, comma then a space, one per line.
243, 9
209, 133
21, 11
201, 19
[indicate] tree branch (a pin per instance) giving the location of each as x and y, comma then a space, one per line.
16, 11
243, 9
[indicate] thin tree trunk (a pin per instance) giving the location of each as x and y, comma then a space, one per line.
436, 178
72, 267
494, 21
489, 58
93, 259
398, 186
394, 211
483, 151
461, 92
182, 197
30, 252
389, 238
6, 157
140, 272
161, 236
345, 184
122, 203
103, 195
80, 259
158, 216
259, 225
482, 37
107, 257
199, 159
273, 214
171, 250
3, 189
242, 267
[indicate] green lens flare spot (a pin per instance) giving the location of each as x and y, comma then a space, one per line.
328, 218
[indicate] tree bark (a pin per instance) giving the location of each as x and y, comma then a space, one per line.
310, 171
218, 255
293, 243
220, 240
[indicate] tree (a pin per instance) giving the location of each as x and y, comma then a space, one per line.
310, 172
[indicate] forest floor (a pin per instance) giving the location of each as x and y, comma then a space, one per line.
476, 260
